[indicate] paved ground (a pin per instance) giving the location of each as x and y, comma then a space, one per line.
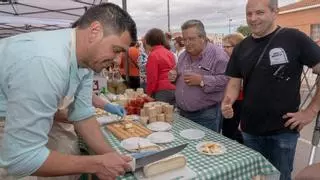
304, 144
304, 148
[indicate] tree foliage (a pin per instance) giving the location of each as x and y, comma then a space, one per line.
245, 30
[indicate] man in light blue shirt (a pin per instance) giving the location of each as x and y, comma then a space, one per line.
43, 72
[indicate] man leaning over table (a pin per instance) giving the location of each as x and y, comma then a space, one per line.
270, 115
199, 77
63, 138
42, 70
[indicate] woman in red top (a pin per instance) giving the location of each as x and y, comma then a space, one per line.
160, 61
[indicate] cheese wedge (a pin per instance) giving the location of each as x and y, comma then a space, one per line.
173, 162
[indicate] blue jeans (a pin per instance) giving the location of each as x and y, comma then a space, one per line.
279, 149
209, 117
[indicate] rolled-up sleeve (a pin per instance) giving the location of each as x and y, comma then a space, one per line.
34, 88
82, 107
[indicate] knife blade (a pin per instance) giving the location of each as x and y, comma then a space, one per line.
139, 162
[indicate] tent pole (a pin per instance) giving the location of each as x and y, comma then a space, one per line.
126, 56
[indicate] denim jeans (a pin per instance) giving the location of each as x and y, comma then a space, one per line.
279, 149
209, 117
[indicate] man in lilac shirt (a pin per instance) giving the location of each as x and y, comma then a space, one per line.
199, 77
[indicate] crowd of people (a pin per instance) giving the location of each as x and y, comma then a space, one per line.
248, 89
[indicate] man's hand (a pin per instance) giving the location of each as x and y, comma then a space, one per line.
112, 165
173, 74
115, 109
309, 173
299, 119
192, 79
226, 108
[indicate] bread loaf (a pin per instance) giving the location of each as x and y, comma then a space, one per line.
173, 162
144, 120
161, 117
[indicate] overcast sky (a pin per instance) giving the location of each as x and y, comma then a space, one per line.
215, 14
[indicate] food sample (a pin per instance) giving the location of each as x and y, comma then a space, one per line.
126, 129
144, 120
131, 118
211, 148
128, 125
168, 109
171, 163
169, 118
161, 117
143, 148
100, 112
152, 119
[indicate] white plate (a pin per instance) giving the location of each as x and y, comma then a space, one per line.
108, 119
161, 137
218, 152
192, 134
159, 126
132, 144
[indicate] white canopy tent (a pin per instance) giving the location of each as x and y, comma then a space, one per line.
19, 16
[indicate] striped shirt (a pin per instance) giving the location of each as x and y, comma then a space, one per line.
211, 64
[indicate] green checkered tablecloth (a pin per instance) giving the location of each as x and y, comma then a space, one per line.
239, 162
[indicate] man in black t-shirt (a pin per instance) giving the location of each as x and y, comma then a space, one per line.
270, 63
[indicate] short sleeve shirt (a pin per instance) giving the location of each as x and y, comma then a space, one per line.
271, 89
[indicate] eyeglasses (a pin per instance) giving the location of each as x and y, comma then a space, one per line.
190, 39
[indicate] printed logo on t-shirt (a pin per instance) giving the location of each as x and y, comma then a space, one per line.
277, 56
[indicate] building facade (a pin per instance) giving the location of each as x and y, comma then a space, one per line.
303, 15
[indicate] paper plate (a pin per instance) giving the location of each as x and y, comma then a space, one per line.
192, 134
138, 144
161, 137
216, 148
159, 126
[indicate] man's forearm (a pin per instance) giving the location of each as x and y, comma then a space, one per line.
314, 105
98, 102
233, 89
58, 164
89, 130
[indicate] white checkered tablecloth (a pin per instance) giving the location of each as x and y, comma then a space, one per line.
238, 163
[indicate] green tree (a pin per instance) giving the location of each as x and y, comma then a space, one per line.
245, 30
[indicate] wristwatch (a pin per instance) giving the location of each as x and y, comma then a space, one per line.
201, 83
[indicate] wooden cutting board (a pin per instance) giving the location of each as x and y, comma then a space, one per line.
121, 132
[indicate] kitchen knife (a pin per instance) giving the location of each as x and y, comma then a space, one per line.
139, 160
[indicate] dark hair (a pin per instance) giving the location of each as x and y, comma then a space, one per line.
179, 41
197, 24
114, 20
156, 37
